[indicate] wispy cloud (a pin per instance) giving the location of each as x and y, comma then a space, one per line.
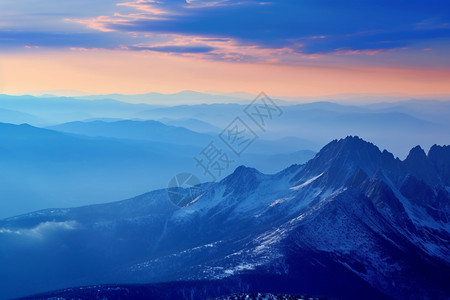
42, 229
148, 6
176, 48
13, 40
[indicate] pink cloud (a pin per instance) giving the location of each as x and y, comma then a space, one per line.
99, 23
84, 49
363, 51
145, 6
205, 47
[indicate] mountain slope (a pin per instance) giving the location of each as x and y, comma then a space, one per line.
353, 222
84, 163
192, 124
16, 117
138, 130
53, 110
45, 168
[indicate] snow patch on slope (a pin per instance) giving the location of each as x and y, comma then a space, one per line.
294, 188
279, 201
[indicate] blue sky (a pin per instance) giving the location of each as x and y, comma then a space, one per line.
303, 27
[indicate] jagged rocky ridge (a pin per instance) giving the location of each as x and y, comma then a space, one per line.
353, 222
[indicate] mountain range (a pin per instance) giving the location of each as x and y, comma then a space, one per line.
82, 163
354, 222
422, 122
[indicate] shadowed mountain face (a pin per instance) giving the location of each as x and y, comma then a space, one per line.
353, 222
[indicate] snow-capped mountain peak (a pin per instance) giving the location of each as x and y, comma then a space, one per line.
351, 216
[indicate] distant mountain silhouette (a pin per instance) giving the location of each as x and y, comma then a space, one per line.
135, 130
396, 126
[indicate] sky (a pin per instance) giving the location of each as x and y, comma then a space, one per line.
285, 47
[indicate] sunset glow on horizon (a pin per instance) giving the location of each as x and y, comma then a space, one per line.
141, 46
